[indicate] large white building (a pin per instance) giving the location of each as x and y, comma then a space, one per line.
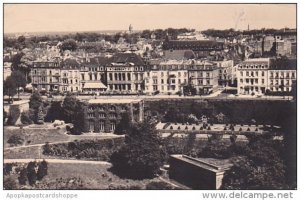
266, 75
166, 77
252, 76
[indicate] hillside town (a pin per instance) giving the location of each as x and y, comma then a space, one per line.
173, 108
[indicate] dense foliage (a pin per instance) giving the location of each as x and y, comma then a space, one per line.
84, 149
142, 155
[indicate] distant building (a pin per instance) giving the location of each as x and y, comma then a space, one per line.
227, 73
256, 76
125, 72
102, 115
175, 49
281, 75
93, 75
166, 77
252, 76
70, 76
45, 75
203, 76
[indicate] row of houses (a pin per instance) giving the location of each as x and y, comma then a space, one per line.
128, 73
266, 75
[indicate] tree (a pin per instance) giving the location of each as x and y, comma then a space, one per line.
70, 105
142, 155
42, 170
260, 168
31, 173
9, 87
124, 125
19, 79
35, 103
68, 44
23, 176
72, 113
54, 112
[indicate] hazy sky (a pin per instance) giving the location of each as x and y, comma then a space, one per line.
91, 17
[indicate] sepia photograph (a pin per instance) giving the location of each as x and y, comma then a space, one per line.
156, 96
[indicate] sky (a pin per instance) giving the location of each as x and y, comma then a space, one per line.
96, 17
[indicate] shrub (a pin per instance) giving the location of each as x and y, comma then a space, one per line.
42, 170
23, 176
15, 140
31, 173
7, 168
25, 118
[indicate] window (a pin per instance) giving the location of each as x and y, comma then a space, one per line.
207, 82
241, 80
102, 115
101, 126
179, 74
154, 87
91, 115
154, 81
112, 115
82, 77
241, 73
113, 108
128, 76
112, 126
263, 81
162, 81
262, 73
91, 78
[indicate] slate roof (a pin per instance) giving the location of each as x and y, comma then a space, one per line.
127, 58
283, 64
195, 45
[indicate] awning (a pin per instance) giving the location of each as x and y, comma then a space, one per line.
94, 85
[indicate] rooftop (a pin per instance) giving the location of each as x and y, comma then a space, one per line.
283, 64
195, 45
215, 165
127, 58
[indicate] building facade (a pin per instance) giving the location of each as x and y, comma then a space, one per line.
252, 76
125, 73
203, 76
45, 75
282, 75
102, 115
227, 74
166, 77
93, 75
70, 76
266, 75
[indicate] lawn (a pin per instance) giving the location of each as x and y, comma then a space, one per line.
25, 152
35, 136
90, 176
